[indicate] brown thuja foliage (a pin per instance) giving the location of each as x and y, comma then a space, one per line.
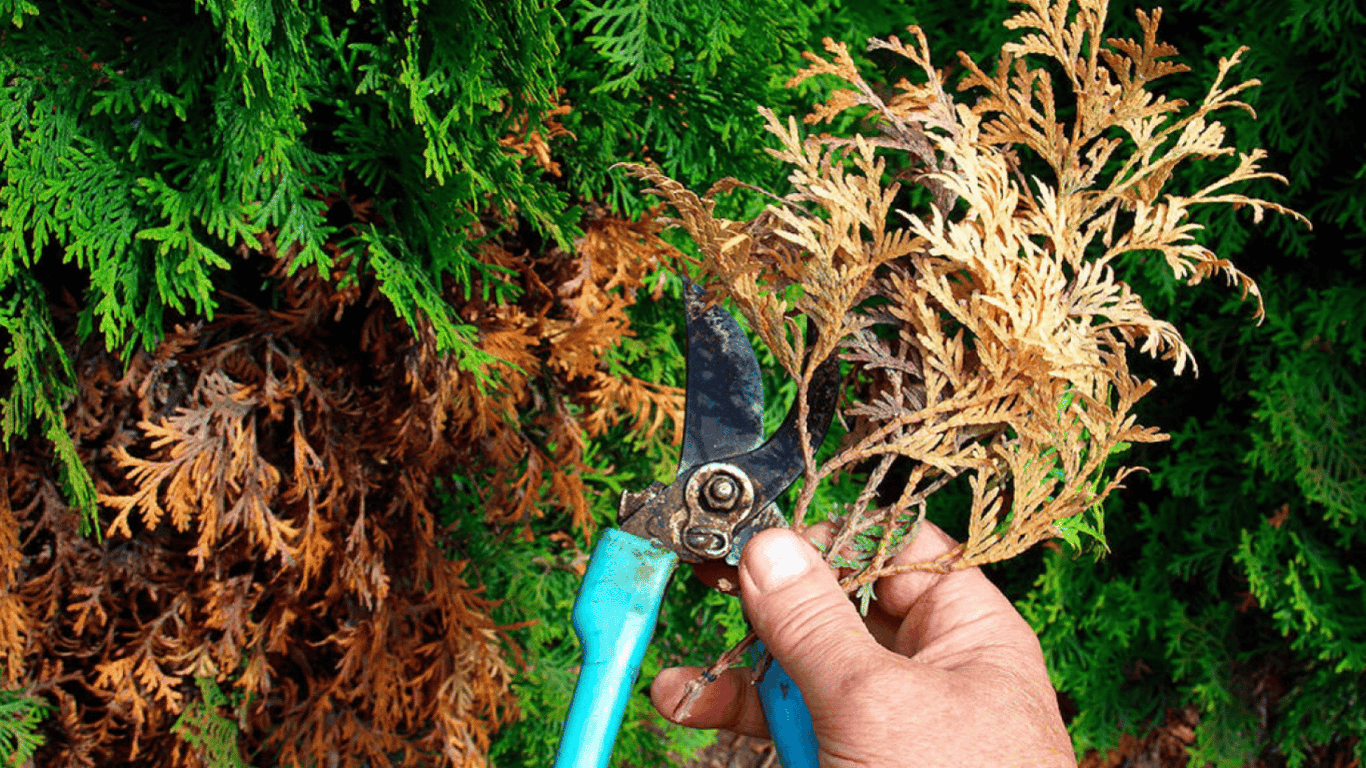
266, 482
985, 329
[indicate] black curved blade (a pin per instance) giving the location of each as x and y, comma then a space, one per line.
725, 408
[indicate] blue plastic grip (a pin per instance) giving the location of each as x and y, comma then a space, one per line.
789, 721
614, 617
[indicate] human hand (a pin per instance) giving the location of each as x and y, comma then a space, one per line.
942, 672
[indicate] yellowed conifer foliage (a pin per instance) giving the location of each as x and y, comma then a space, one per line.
267, 488
985, 330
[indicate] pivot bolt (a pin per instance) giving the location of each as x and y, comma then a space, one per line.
722, 490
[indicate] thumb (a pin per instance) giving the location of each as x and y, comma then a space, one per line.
799, 610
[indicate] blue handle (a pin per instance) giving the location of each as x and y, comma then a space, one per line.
614, 617
789, 721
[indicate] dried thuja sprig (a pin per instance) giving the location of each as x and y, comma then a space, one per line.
986, 330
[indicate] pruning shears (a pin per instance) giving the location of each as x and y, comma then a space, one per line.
723, 493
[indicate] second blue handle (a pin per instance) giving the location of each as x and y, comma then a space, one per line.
789, 721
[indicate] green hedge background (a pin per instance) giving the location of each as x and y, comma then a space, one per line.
1231, 584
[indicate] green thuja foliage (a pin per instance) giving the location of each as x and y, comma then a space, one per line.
1310, 397
42, 382
202, 726
20, 717
679, 83
1303, 563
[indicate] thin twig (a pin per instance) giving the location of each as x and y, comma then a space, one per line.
693, 690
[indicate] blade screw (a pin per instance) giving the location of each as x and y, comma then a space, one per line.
722, 492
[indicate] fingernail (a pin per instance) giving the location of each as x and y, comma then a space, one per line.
778, 560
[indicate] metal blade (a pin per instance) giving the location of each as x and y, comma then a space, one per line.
725, 409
